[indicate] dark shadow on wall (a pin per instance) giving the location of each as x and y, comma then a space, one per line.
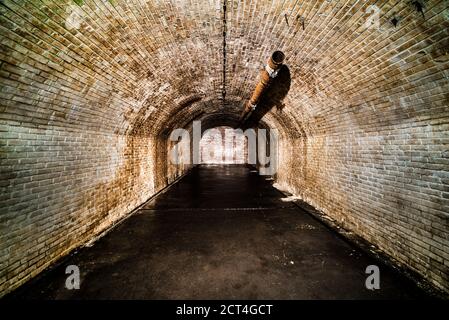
273, 97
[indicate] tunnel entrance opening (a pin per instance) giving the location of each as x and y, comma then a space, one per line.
223, 145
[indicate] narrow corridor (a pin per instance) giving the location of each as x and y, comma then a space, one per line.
221, 232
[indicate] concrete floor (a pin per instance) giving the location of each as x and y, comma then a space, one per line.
222, 232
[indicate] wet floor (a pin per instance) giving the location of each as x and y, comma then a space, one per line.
222, 232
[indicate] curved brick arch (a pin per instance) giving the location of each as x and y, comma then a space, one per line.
88, 89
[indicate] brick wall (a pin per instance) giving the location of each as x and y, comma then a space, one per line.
60, 188
367, 138
75, 156
391, 189
90, 90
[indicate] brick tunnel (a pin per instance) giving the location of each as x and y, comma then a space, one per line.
92, 91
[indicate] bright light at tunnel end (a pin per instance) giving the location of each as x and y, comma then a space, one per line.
186, 148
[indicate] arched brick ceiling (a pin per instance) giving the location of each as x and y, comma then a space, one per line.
114, 65
91, 88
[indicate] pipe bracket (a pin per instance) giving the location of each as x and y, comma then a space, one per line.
271, 72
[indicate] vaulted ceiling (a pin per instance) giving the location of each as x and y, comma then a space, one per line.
120, 65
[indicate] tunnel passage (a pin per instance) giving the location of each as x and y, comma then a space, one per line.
221, 232
91, 90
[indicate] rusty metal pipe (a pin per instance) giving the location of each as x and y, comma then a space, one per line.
266, 77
